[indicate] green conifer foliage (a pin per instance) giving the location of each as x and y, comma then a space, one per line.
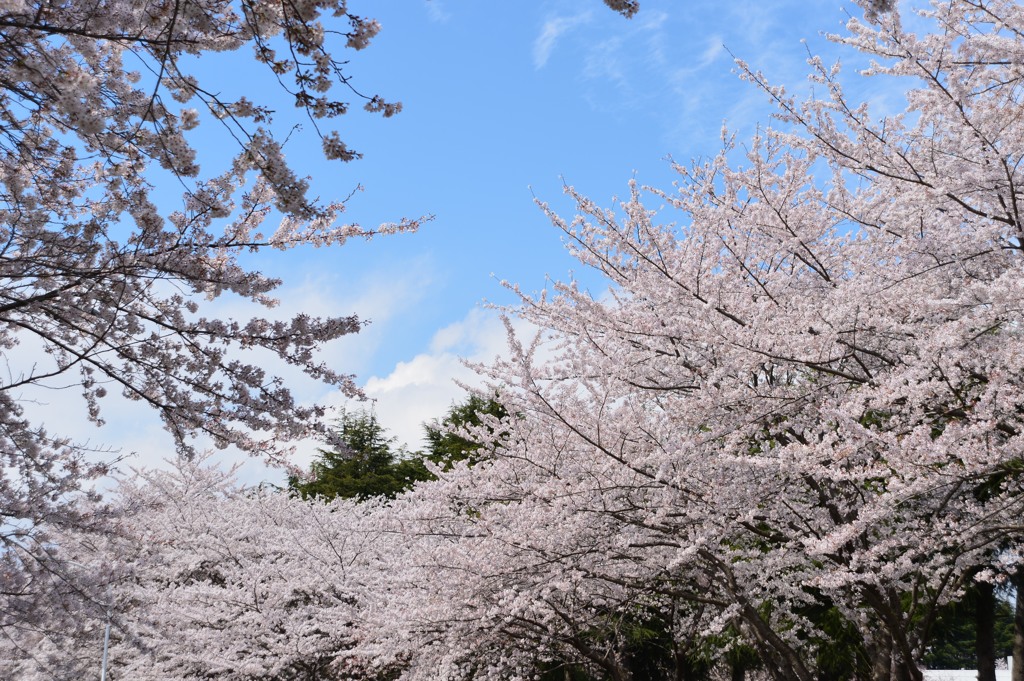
365, 464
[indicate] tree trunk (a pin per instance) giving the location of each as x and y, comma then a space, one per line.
904, 670
880, 650
784, 662
893, 639
985, 620
617, 670
1018, 627
739, 672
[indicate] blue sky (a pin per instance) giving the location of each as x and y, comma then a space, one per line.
503, 102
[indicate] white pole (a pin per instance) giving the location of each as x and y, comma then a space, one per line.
106, 643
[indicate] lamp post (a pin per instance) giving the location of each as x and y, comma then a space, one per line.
106, 629
106, 645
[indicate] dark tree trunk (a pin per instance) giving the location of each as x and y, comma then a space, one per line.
880, 650
985, 620
739, 672
893, 641
906, 670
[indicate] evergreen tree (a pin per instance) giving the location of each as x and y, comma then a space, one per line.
447, 440
363, 464
952, 645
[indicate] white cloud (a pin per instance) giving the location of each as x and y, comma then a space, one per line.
712, 51
550, 32
436, 11
379, 298
651, 31
423, 388
605, 63
628, 57
413, 392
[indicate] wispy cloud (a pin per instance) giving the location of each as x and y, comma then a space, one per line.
651, 33
605, 63
627, 57
713, 50
550, 32
436, 11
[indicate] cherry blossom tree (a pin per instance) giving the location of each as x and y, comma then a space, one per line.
206, 579
796, 415
792, 426
242, 584
102, 282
